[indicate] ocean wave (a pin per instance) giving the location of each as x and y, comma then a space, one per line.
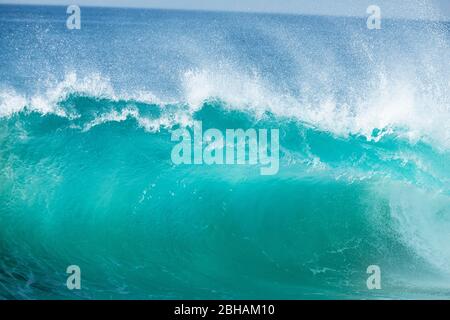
86, 175
392, 109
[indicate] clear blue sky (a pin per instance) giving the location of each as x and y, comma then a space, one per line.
422, 9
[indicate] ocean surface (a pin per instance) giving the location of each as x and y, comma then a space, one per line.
86, 176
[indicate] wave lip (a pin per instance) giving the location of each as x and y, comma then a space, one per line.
389, 109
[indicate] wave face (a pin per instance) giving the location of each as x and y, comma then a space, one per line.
86, 177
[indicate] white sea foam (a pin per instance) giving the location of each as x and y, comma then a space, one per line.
47, 101
396, 103
422, 221
167, 120
11, 102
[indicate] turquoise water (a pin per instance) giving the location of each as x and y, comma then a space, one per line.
86, 177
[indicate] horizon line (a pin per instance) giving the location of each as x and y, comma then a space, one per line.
441, 19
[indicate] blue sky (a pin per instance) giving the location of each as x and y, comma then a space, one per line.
421, 9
